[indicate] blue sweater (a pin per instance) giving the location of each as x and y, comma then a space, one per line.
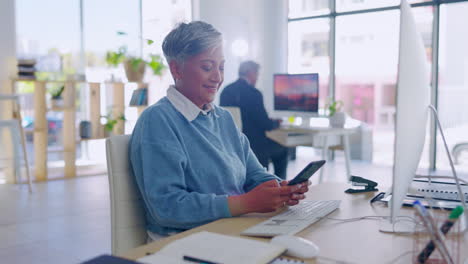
186, 170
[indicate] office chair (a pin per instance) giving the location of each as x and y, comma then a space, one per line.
17, 135
457, 149
127, 211
236, 115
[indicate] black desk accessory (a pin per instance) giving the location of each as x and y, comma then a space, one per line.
108, 259
378, 197
369, 186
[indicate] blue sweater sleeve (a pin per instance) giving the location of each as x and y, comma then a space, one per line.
159, 163
256, 173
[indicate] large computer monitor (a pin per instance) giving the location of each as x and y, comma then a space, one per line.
296, 94
413, 99
413, 108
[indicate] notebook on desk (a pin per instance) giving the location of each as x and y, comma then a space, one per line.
215, 248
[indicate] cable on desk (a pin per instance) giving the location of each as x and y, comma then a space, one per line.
337, 261
399, 219
369, 217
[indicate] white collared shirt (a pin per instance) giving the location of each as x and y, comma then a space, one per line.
186, 107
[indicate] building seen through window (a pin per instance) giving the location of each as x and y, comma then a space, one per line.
366, 58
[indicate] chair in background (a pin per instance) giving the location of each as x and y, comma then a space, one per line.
236, 115
17, 135
127, 210
457, 149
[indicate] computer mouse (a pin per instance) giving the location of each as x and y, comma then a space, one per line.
297, 246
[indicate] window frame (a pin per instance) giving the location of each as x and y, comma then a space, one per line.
435, 55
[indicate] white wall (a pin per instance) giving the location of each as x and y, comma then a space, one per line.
7, 69
262, 23
275, 46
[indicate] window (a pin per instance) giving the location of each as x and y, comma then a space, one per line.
53, 39
159, 18
308, 51
366, 59
51, 32
366, 69
453, 84
303, 8
351, 5
101, 25
53, 35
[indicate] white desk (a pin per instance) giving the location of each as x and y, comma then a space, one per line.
354, 242
317, 134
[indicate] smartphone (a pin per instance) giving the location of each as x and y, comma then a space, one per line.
308, 171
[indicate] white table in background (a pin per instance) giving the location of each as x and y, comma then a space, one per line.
317, 134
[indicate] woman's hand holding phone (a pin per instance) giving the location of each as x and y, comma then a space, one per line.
297, 195
307, 172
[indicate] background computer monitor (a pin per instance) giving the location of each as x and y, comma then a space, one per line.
413, 99
296, 94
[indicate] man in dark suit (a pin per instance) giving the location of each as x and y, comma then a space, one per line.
255, 121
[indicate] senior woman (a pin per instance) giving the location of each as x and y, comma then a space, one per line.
191, 163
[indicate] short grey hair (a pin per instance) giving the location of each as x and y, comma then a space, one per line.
189, 39
248, 66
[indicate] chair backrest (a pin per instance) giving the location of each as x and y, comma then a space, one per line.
236, 114
127, 210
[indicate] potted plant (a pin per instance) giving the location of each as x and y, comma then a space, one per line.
335, 115
114, 58
135, 66
111, 122
56, 96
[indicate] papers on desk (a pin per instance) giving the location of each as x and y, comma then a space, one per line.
215, 248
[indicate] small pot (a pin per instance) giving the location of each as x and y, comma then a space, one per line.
108, 133
132, 75
337, 120
85, 129
56, 102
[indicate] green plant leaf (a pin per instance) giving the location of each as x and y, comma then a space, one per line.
156, 64
334, 106
110, 122
135, 63
56, 91
115, 58
149, 41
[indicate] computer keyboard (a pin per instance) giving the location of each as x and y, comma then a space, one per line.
294, 219
437, 190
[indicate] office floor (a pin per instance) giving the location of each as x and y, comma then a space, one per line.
68, 221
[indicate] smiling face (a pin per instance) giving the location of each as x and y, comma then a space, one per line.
200, 76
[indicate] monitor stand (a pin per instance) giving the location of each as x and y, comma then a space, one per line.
402, 224
395, 227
